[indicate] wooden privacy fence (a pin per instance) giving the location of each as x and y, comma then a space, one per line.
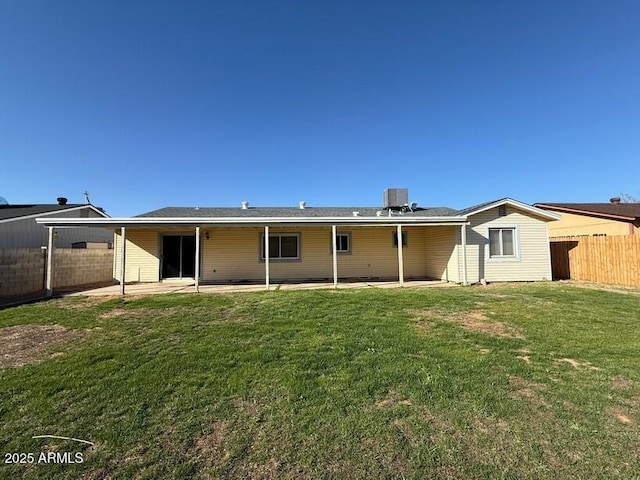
602, 259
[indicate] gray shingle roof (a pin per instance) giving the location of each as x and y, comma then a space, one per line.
310, 212
465, 211
17, 211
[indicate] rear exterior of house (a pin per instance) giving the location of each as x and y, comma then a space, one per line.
504, 240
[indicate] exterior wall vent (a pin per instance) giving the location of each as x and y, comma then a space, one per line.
502, 211
396, 197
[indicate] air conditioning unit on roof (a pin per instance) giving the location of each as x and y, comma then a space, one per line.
396, 197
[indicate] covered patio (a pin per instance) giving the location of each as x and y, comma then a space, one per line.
249, 253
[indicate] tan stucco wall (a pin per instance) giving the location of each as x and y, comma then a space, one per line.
572, 224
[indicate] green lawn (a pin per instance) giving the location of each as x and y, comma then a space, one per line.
526, 381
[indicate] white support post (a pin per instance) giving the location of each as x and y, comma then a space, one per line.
50, 262
197, 272
400, 259
463, 233
123, 252
334, 251
266, 256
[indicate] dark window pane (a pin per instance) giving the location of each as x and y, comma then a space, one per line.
343, 243
170, 256
188, 256
507, 242
494, 242
289, 247
274, 247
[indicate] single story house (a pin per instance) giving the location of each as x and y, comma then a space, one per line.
577, 219
18, 227
502, 240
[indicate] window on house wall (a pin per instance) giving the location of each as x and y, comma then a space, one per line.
502, 242
282, 246
343, 243
395, 239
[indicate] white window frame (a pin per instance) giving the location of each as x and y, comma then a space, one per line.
516, 244
275, 237
338, 250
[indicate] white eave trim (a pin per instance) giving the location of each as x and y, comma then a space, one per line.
519, 205
53, 212
248, 221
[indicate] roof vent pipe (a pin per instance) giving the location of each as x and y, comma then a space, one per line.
615, 200
303, 205
245, 205
61, 200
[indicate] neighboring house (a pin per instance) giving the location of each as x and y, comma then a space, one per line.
576, 219
18, 227
504, 240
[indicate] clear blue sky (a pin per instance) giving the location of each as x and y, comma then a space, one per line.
147, 104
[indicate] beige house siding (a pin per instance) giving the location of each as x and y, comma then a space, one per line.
233, 254
441, 253
571, 224
142, 256
534, 262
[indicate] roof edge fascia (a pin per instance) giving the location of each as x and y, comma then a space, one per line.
162, 221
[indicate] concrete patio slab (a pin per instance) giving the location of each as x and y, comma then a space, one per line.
182, 287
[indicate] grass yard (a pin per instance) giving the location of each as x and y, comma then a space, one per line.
514, 381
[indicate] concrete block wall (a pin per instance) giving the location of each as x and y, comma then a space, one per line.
22, 271
74, 266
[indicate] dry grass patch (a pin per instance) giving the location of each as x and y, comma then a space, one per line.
577, 365
525, 389
210, 450
620, 415
81, 302
25, 344
471, 321
393, 400
620, 383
